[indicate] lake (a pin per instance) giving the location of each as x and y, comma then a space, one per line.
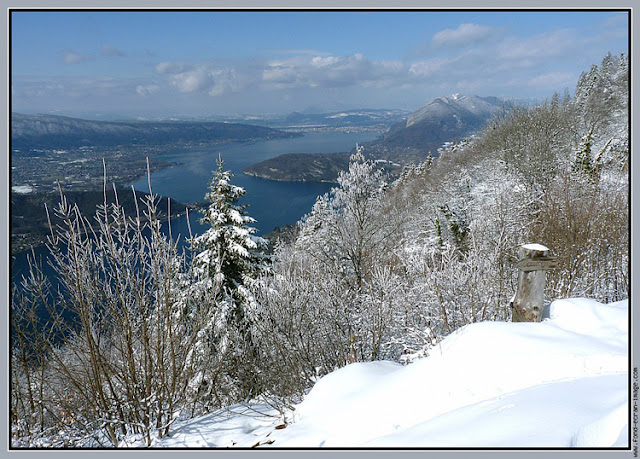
271, 203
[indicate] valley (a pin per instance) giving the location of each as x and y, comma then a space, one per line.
47, 149
52, 153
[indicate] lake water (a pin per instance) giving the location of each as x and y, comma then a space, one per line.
271, 203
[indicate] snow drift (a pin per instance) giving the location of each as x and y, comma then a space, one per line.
559, 383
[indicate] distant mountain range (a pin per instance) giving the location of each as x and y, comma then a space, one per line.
409, 141
355, 118
53, 131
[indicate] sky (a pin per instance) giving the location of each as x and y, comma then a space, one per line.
160, 63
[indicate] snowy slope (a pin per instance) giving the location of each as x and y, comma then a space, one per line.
559, 383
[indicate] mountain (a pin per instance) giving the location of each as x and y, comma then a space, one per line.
53, 131
474, 109
445, 119
353, 118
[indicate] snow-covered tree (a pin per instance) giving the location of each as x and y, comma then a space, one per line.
602, 93
347, 241
226, 261
344, 229
110, 360
386, 272
227, 252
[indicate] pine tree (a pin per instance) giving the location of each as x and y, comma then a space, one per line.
583, 163
227, 261
228, 251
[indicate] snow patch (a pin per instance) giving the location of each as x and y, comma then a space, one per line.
22, 189
538, 247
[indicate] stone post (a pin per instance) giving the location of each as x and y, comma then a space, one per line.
528, 301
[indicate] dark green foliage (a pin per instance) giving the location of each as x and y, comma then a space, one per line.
584, 163
458, 227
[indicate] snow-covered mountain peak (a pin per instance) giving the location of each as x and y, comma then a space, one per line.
466, 107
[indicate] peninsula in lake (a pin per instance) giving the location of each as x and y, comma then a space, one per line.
406, 142
301, 167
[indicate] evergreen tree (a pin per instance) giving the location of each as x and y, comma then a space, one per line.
584, 163
227, 262
228, 251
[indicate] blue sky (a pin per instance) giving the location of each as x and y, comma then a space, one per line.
200, 63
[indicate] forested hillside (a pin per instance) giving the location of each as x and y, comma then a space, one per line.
404, 264
30, 225
377, 270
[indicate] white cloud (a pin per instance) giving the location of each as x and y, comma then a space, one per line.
428, 67
226, 80
300, 71
299, 51
497, 64
282, 73
170, 67
146, 90
550, 44
193, 80
87, 89
331, 71
331, 61
107, 50
463, 35
554, 80
71, 57
480, 69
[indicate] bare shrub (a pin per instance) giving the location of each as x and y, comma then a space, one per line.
588, 227
115, 359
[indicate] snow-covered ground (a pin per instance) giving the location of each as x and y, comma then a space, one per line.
559, 383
